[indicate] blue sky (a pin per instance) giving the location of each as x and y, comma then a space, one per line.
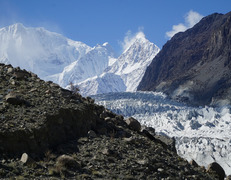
99, 21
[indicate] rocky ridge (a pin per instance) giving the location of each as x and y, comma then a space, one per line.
47, 132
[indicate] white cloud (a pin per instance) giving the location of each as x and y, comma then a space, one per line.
130, 38
190, 19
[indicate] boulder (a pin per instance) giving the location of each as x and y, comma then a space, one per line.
170, 142
15, 99
133, 124
21, 74
193, 163
91, 134
65, 161
150, 130
10, 70
26, 159
217, 169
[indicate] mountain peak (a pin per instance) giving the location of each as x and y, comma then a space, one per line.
105, 44
17, 26
14, 28
140, 35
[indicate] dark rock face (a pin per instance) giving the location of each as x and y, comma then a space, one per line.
217, 169
194, 66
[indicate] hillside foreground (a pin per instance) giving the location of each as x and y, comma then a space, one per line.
47, 132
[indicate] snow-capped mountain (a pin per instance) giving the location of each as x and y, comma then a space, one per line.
51, 55
201, 133
130, 67
38, 50
61, 60
93, 63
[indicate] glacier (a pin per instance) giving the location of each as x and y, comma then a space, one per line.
202, 133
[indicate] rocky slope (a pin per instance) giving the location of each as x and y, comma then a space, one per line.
47, 132
194, 66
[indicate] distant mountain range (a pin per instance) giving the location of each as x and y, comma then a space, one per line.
195, 65
64, 61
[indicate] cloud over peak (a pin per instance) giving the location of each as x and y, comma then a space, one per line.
190, 19
130, 38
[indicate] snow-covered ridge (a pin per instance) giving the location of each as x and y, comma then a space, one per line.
51, 55
202, 133
38, 50
61, 60
130, 67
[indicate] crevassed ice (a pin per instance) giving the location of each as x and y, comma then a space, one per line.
202, 133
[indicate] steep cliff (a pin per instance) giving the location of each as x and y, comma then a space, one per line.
194, 66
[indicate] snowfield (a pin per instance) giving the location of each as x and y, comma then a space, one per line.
201, 133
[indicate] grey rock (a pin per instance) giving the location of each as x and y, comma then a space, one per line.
169, 141
193, 163
91, 134
215, 167
26, 159
14, 99
133, 124
107, 151
10, 70
66, 161
107, 119
21, 74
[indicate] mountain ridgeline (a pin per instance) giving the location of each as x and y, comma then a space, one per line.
194, 66
61, 60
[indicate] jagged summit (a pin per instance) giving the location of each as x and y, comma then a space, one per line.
15, 28
128, 69
139, 38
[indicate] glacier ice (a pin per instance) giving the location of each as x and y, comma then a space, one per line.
201, 133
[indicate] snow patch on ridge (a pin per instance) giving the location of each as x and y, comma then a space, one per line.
105, 83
